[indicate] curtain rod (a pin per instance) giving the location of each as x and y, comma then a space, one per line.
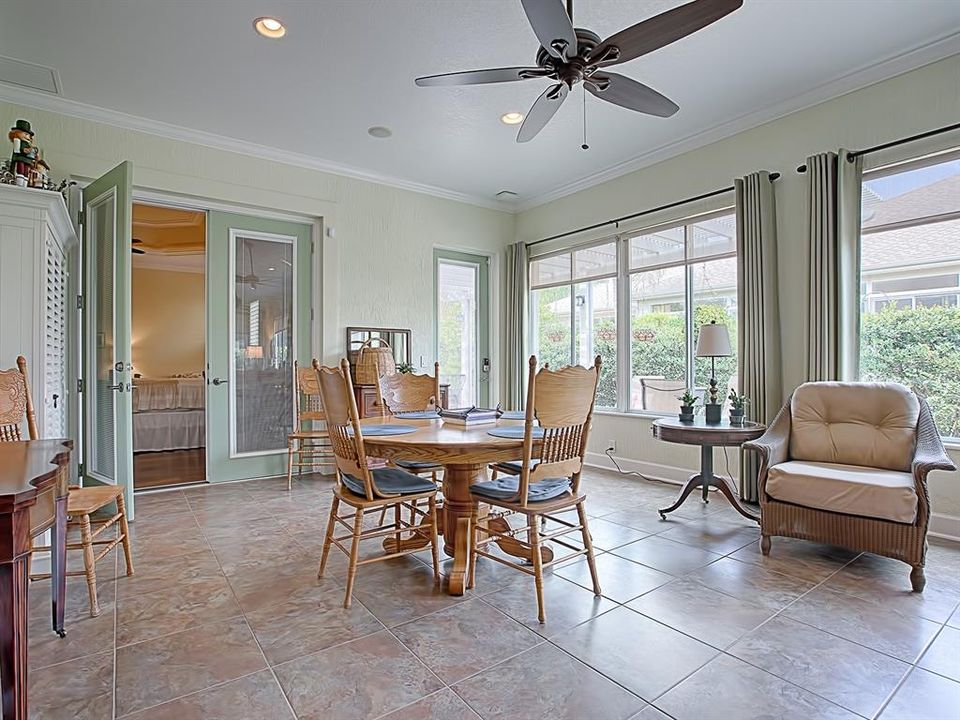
617, 221
893, 143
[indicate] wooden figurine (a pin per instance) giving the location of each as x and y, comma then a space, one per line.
24, 152
40, 173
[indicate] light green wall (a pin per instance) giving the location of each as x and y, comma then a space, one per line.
905, 105
376, 271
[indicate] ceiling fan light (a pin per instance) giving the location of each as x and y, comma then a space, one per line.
511, 118
269, 27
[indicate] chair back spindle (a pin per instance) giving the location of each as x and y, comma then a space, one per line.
16, 404
561, 401
406, 392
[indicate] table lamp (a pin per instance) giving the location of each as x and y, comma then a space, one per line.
713, 342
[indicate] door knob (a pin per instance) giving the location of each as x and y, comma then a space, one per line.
218, 381
118, 387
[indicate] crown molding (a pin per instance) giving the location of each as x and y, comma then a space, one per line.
858, 79
18, 95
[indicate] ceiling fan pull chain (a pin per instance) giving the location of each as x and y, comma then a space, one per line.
584, 146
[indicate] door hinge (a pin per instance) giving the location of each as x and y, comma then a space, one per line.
80, 469
81, 217
79, 302
79, 385
313, 246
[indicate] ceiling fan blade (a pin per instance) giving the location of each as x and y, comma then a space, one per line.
543, 109
552, 26
481, 77
138, 251
627, 92
660, 30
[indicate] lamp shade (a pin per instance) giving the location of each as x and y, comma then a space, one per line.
714, 341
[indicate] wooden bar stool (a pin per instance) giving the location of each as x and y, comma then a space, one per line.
82, 503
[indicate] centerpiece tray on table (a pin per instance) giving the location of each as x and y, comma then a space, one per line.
469, 417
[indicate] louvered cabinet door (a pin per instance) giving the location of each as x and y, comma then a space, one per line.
55, 342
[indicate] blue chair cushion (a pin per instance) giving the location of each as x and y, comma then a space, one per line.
391, 480
417, 465
515, 466
505, 488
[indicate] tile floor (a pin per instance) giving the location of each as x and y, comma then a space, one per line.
225, 618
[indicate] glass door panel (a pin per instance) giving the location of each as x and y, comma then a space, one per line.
108, 437
261, 373
462, 327
258, 323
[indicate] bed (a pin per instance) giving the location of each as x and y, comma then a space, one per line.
168, 414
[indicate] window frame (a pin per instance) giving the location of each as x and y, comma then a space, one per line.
621, 240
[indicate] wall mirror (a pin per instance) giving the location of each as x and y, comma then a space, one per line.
397, 338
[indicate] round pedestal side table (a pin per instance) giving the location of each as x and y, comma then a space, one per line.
708, 437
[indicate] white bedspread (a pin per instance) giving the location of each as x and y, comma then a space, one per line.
168, 430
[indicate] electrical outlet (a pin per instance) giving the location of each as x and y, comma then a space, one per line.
610, 446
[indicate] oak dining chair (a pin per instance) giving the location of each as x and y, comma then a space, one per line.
365, 490
16, 406
308, 446
561, 402
409, 393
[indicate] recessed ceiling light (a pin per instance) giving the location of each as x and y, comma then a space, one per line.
379, 131
511, 118
271, 269
269, 27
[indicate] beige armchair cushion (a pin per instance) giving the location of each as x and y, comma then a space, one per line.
868, 424
850, 489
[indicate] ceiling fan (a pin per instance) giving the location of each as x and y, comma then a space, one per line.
572, 55
134, 249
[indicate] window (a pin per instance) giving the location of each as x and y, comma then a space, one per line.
681, 277
910, 282
670, 280
574, 312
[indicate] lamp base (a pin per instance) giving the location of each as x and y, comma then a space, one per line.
712, 413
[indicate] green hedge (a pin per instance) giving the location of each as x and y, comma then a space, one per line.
921, 349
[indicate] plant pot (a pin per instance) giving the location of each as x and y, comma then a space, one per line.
737, 417
686, 413
712, 413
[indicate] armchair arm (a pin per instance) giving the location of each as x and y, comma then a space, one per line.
929, 453
773, 446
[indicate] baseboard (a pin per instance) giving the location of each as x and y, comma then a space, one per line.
946, 527
654, 471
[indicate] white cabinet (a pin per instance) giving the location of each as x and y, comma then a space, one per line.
38, 254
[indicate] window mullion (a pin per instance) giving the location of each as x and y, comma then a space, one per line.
624, 326
688, 305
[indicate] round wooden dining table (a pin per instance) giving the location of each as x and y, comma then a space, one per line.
465, 454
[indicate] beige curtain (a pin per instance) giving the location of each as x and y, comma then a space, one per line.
758, 313
515, 326
833, 280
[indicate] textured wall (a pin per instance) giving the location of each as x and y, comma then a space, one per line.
905, 105
169, 322
376, 271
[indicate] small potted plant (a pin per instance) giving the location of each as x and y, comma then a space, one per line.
737, 407
687, 401
404, 368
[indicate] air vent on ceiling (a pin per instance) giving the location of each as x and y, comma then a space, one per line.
506, 195
29, 75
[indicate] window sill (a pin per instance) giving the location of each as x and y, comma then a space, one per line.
636, 414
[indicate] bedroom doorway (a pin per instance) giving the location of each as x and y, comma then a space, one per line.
168, 345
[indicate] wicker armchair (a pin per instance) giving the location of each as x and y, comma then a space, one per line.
866, 463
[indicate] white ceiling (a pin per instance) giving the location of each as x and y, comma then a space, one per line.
346, 65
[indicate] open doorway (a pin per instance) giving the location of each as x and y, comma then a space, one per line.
168, 346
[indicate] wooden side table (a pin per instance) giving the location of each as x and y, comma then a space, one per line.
708, 437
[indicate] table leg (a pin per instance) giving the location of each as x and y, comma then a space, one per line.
13, 639
461, 558
58, 566
692, 484
734, 499
706, 469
